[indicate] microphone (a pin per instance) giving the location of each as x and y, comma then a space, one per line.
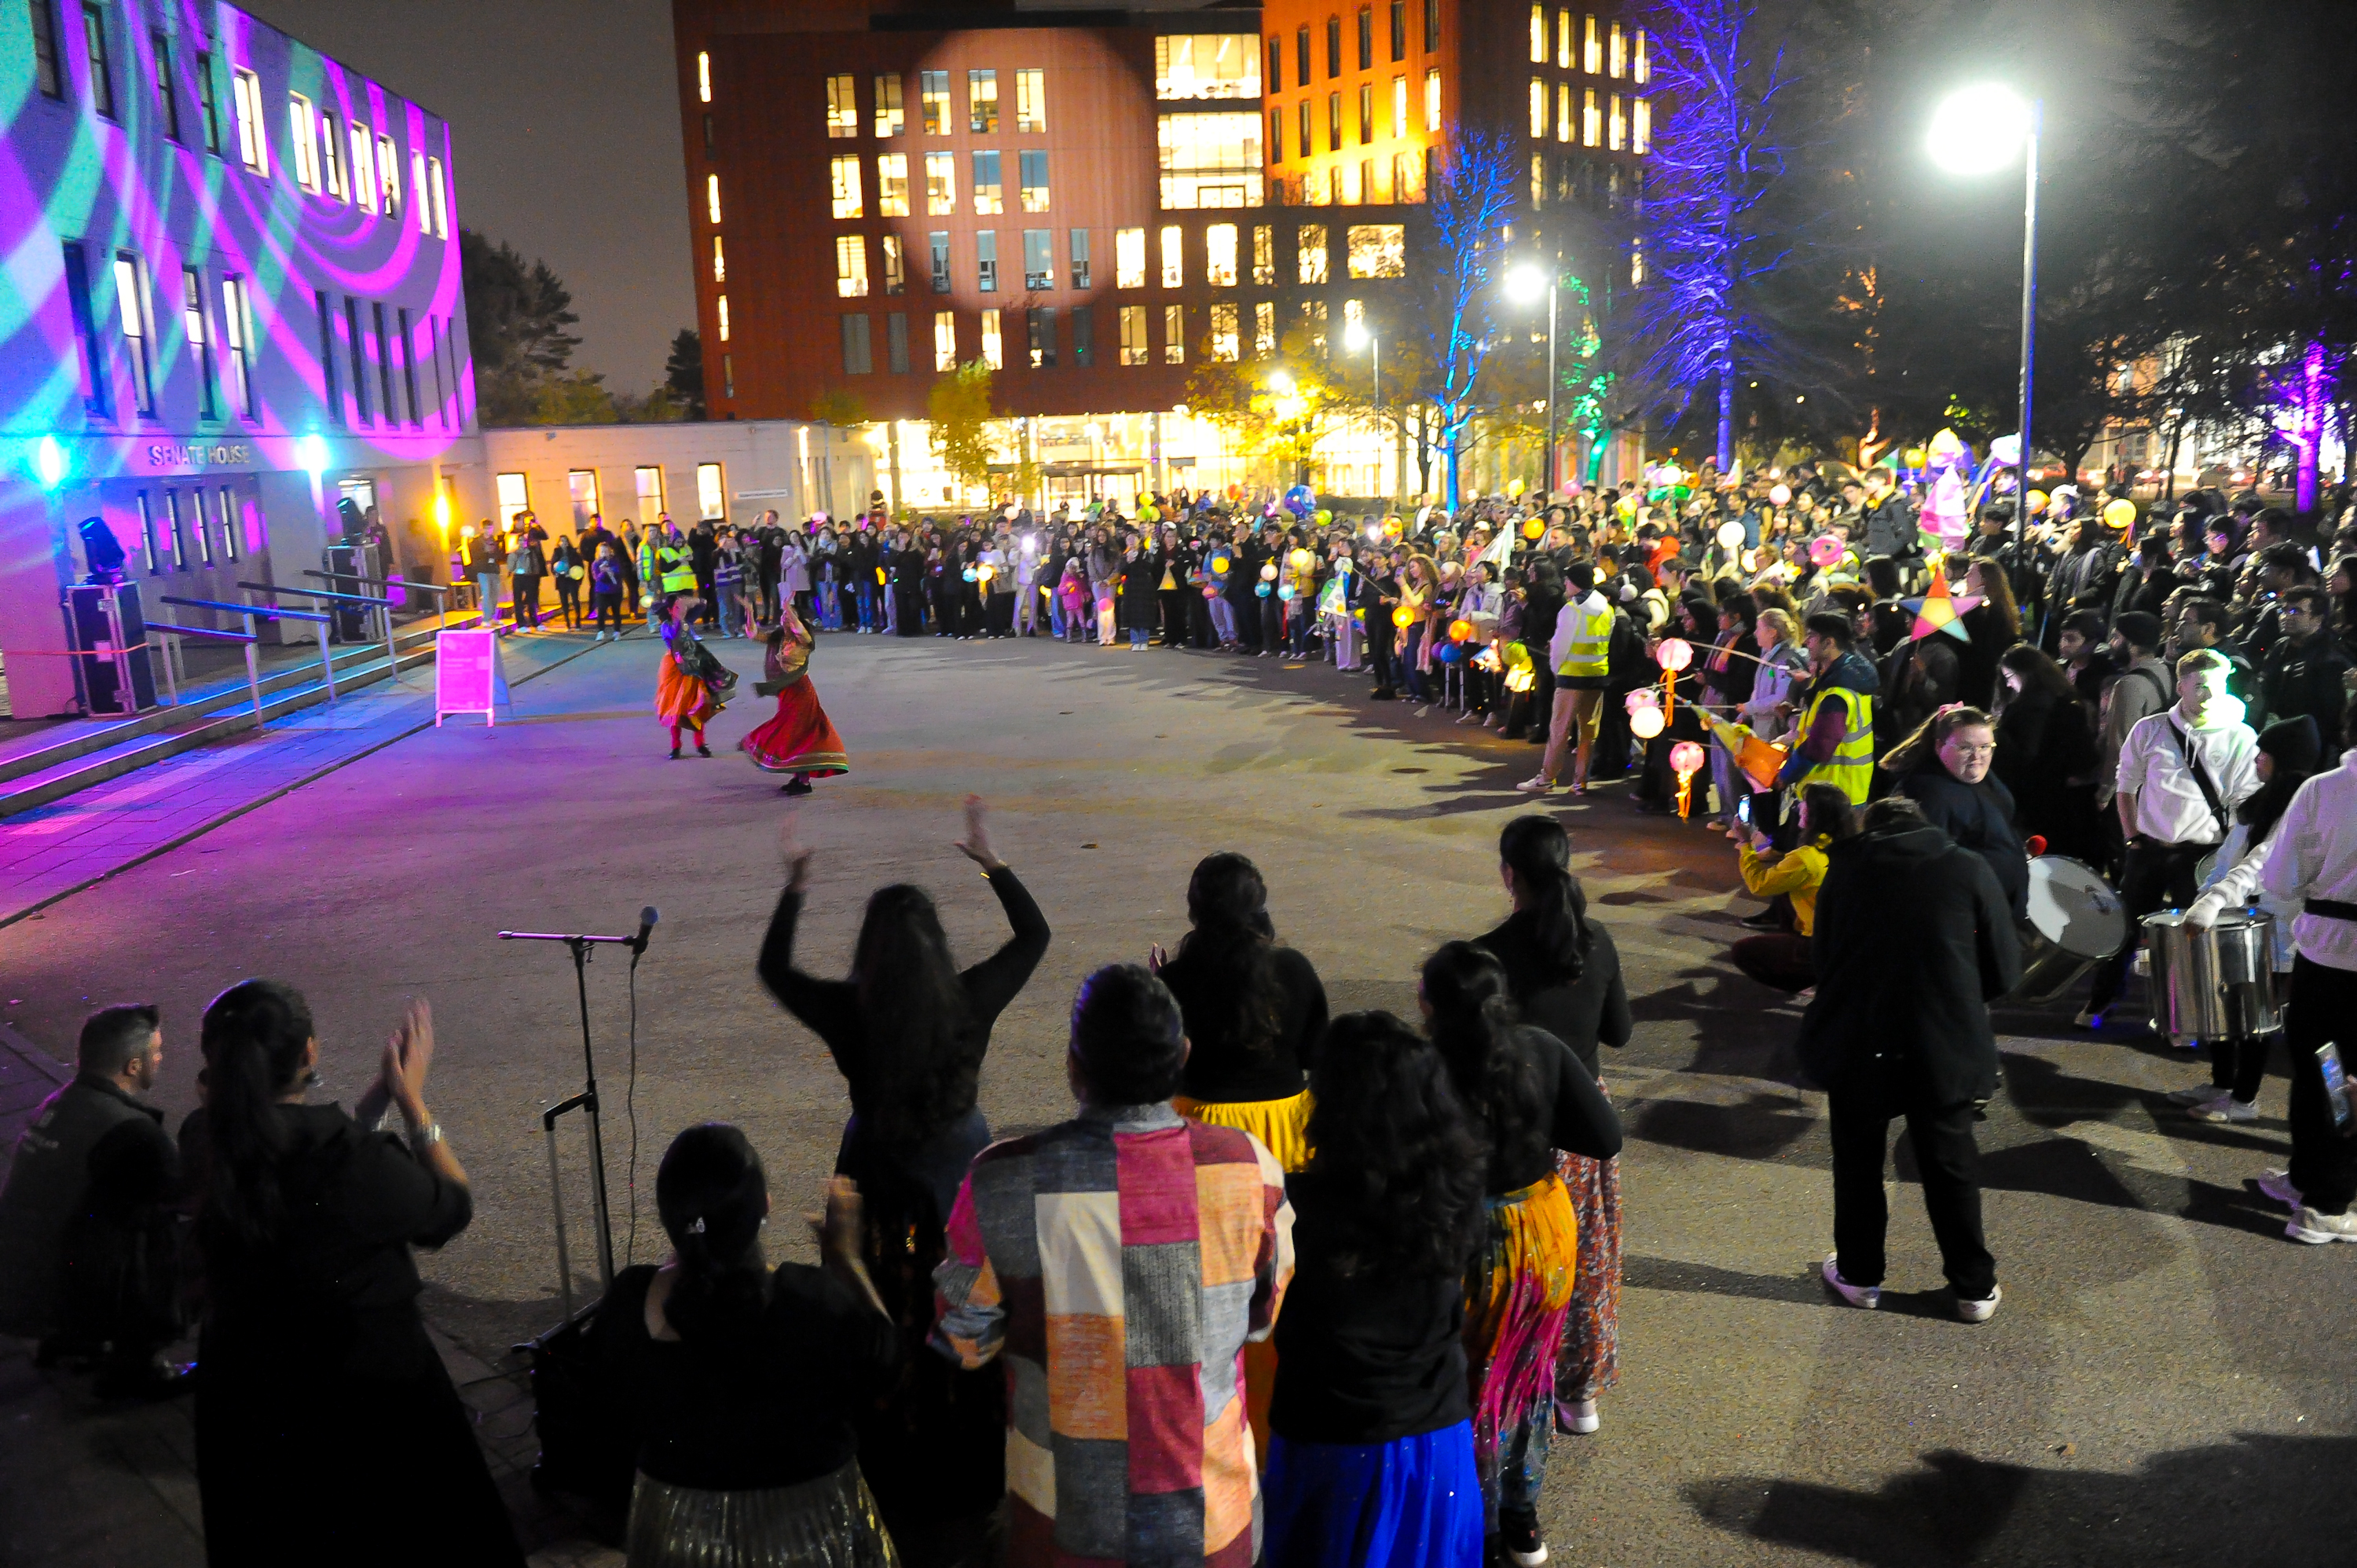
647, 919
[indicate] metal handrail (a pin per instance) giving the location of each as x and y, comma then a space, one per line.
314, 593
253, 613
441, 605
260, 612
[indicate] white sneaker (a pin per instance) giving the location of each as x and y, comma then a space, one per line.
2200, 1094
2277, 1185
1577, 1417
2308, 1225
1980, 1311
1867, 1296
2225, 1108
1537, 784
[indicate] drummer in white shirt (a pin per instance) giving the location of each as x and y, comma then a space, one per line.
2314, 859
2182, 772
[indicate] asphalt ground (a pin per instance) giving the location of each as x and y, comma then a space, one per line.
2168, 1382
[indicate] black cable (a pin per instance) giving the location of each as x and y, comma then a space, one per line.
631, 1106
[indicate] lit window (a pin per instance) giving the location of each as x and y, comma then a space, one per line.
581, 486
1220, 255
363, 168
722, 306
1079, 258
1174, 266
988, 194
237, 333
843, 174
945, 340
710, 499
892, 185
985, 258
1538, 180
1312, 254
1033, 167
650, 485
1264, 329
1399, 106
1333, 122
425, 206
388, 175
1563, 39
719, 262
1030, 100
938, 243
230, 520
1041, 327
993, 351
1636, 263
1591, 122
138, 334
331, 156
1354, 184
1174, 335
1538, 34
1227, 345
1538, 107
850, 266
1620, 53
712, 197
1563, 116
941, 184
889, 119
1432, 101
1313, 324
858, 356
703, 78
1619, 123
1366, 112
1133, 334
1263, 255
1129, 258
1640, 69
1640, 126
981, 103
302, 141
842, 106
896, 265
1593, 55
253, 148
201, 338
1209, 160
1206, 65
1406, 182
1038, 258
933, 92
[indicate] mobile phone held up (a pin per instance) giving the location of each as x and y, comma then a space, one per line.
1743, 811
2336, 1090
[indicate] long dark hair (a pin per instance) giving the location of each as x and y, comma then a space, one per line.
913, 1009
1397, 1149
1228, 903
1472, 1024
712, 1195
2039, 672
2299, 747
1538, 852
252, 1038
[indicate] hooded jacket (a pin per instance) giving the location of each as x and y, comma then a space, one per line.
1979, 817
1912, 941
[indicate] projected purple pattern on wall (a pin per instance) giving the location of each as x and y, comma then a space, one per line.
215, 237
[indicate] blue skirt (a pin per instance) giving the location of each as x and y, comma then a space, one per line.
1414, 1502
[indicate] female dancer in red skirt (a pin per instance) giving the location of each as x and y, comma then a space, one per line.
799, 738
684, 698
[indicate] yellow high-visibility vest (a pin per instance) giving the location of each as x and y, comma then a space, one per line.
1591, 640
1851, 769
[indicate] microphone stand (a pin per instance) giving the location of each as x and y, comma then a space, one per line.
581, 947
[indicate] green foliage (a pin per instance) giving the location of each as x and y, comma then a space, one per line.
683, 372
959, 407
838, 406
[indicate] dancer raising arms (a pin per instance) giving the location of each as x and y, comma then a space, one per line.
799, 738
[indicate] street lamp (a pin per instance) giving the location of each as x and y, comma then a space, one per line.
1973, 131
1523, 285
1356, 337
1292, 411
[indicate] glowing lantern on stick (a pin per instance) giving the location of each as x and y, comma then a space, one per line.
1533, 529
1686, 761
2120, 514
1268, 572
1780, 495
1731, 534
1459, 631
1675, 654
1403, 618
1646, 721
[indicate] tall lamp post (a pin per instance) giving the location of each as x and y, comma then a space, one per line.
1525, 285
1356, 337
1975, 131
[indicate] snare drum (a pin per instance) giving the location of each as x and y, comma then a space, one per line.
2074, 922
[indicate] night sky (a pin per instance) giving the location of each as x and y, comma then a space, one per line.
565, 117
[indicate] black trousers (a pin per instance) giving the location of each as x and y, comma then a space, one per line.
2239, 1062
1379, 652
2323, 1162
1950, 1164
2157, 877
1782, 960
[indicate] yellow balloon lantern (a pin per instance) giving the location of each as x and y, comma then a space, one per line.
1912, 457
1533, 529
1459, 631
2035, 501
1646, 723
1391, 528
1220, 565
1302, 560
2120, 514
1403, 618
985, 572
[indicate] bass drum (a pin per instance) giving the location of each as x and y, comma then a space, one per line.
2074, 922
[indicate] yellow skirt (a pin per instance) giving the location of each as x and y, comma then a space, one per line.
1283, 1125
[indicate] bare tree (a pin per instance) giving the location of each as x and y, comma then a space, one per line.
1473, 200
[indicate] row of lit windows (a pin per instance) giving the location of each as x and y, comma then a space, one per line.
581, 486
1602, 50
371, 180
1227, 330
185, 516
1370, 251
887, 116
1397, 18
1305, 142
223, 359
1363, 182
1606, 121
847, 191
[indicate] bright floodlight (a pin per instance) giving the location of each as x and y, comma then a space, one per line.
1355, 336
1978, 129
1526, 284
1280, 382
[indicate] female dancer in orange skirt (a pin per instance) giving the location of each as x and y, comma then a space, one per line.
682, 698
799, 738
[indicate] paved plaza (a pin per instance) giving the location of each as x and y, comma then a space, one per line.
2169, 1380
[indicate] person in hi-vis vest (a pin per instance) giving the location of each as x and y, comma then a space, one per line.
1578, 655
1833, 742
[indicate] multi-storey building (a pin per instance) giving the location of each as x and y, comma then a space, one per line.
234, 302
1092, 202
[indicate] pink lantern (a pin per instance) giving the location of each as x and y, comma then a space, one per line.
1825, 550
1675, 654
1642, 697
1685, 758
1646, 721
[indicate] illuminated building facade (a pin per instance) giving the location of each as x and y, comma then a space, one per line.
234, 301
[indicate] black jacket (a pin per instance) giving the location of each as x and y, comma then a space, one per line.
1979, 817
1912, 941
2305, 678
